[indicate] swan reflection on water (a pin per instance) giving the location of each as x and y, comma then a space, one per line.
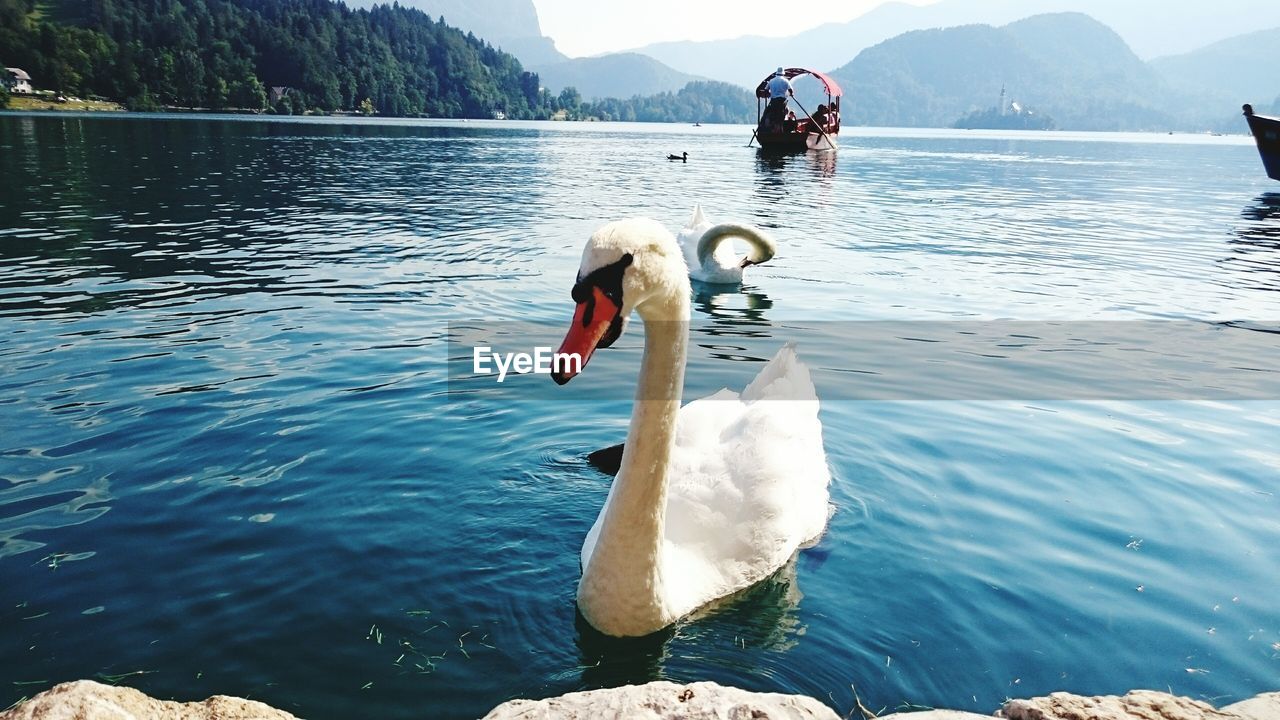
1255, 246
731, 310
764, 617
732, 313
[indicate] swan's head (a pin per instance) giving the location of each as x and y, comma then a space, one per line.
628, 265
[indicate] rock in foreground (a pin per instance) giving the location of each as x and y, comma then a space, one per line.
1138, 705
1260, 707
663, 700
1145, 704
88, 700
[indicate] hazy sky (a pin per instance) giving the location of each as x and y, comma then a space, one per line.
588, 27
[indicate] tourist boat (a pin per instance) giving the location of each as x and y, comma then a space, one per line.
777, 130
1266, 132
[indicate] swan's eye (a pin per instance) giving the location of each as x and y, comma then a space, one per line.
608, 279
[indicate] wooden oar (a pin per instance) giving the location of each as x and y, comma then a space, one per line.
830, 144
753, 138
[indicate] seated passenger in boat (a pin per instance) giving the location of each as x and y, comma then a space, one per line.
822, 117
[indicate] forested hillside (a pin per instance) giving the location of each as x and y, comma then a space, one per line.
229, 54
220, 54
704, 101
614, 75
1228, 73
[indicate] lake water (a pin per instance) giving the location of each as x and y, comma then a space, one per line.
232, 459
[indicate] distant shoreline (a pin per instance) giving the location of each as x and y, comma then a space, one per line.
114, 109
30, 103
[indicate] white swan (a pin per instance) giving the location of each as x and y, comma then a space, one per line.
709, 254
710, 498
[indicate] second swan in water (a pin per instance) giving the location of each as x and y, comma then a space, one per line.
709, 252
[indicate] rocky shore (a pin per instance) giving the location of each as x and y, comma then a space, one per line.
660, 700
89, 700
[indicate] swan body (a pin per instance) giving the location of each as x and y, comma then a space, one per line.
709, 252
710, 498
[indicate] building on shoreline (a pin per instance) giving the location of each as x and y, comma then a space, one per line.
18, 81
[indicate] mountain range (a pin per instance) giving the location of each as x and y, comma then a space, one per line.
399, 60
1228, 72
615, 75
509, 25
513, 26
1151, 28
1069, 65
913, 65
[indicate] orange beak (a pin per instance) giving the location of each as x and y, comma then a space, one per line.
592, 321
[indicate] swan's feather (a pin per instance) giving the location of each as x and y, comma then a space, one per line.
748, 485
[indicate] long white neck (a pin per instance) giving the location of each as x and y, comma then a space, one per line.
623, 591
714, 250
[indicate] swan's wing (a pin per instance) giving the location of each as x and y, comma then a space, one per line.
697, 218
688, 239
784, 378
702, 502
696, 428
782, 411
748, 485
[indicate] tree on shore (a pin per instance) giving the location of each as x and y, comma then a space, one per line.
326, 57
224, 54
700, 101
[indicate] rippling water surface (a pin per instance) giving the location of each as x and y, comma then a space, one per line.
231, 462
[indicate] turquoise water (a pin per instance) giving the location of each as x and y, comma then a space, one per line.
232, 460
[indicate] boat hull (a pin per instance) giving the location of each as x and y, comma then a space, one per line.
797, 142
1266, 133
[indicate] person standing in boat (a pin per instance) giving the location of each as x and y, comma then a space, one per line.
779, 88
